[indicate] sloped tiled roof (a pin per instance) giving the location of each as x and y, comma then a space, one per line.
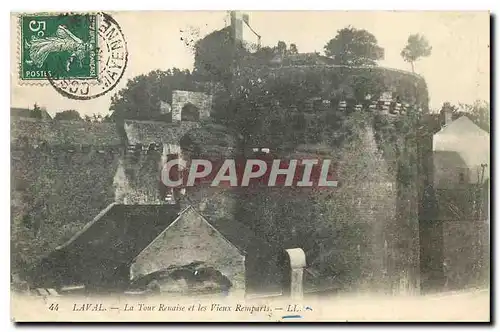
124, 230
462, 125
138, 225
34, 131
120, 232
147, 132
116, 235
240, 235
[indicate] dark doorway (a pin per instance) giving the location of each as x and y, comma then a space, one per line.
190, 113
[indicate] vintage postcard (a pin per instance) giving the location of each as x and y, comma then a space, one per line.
233, 166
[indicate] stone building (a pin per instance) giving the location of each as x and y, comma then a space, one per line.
126, 243
460, 225
190, 238
461, 153
294, 106
140, 200
385, 242
150, 144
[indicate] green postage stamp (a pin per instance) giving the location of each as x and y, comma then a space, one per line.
58, 46
81, 55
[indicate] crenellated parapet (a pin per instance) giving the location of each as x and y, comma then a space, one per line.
387, 104
291, 84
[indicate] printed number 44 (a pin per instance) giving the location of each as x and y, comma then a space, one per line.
54, 307
38, 27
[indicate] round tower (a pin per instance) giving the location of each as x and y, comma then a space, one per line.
364, 233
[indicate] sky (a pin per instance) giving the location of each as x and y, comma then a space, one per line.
457, 71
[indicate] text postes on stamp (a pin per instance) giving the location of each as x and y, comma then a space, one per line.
61, 46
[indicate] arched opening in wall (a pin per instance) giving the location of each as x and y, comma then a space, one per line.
194, 278
190, 113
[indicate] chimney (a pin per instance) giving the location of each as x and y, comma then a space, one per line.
447, 113
295, 289
237, 26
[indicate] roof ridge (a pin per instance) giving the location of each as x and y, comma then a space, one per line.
179, 215
87, 226
460, 119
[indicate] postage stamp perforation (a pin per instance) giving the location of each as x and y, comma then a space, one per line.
43, 81
81, 57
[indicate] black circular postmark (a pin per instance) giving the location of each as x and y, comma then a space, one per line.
112, 61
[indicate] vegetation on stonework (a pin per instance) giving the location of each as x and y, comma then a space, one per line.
399, 141
139, 169
97, 118
56, 193
278, 97
260, 99
214, 56
141, 98
340, 228
36, 112
68, 115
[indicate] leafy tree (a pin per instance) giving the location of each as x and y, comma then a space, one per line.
354, 47
36, 112
216, 55
478, 112
293, 49
416, 48
68, 115
281, 48
142, 97
264, 55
